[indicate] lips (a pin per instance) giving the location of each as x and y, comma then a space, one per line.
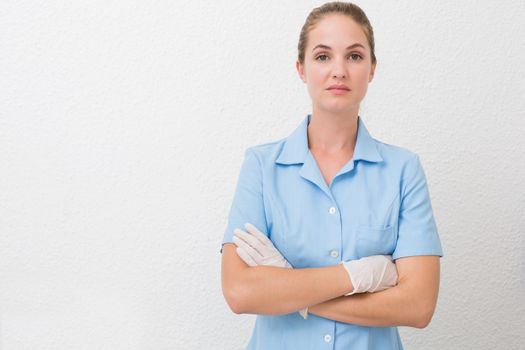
339, 87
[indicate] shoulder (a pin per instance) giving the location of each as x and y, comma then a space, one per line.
395, 153
266, 152
402, 161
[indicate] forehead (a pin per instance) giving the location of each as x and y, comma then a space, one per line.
337, 31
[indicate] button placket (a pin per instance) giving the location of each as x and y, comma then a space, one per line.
334, 253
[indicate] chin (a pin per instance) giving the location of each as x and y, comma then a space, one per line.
340, 107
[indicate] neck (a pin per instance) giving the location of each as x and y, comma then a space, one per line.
332, 133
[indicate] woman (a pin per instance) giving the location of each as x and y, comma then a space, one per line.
337, 206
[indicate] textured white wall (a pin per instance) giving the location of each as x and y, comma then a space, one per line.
122, 129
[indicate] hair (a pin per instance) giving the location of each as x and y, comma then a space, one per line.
336, 7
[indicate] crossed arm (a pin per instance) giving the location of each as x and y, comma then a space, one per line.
272, 291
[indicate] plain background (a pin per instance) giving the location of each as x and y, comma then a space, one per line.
122, 129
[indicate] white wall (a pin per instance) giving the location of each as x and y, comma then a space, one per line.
122, 130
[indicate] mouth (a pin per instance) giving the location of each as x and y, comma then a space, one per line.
338, 91
338, 87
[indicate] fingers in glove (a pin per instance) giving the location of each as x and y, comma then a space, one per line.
250, 240
380, 282
248, 249
245, 257
258, 234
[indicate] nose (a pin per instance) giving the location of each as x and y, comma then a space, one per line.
339, 70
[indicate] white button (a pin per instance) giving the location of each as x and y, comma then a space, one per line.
332, 210
327, 338
334, 253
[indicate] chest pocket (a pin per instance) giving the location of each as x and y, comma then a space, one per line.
375, 241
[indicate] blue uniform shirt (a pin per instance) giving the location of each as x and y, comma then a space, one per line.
378, 203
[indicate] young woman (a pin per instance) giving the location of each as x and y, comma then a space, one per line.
329, 221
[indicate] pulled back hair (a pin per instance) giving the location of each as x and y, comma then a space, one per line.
336, 7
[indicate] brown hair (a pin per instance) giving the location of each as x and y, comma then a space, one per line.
351, 10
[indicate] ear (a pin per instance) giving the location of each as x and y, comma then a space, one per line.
372, 72
300, 70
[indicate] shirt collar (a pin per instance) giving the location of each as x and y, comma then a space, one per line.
295, 147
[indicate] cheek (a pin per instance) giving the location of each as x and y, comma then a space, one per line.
360, 84
316, 82
362, 76
317, 77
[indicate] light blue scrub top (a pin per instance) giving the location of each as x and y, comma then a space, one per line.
378, 203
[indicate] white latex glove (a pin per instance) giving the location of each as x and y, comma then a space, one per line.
371, 273
255, 248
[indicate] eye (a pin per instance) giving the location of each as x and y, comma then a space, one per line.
354, 57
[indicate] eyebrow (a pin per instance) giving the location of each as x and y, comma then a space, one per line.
326, 47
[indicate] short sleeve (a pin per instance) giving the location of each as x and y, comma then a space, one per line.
417, 230
248, 203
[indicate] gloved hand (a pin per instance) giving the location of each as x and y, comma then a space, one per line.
371, 273
256, 249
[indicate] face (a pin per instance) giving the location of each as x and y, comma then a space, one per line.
335, 63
